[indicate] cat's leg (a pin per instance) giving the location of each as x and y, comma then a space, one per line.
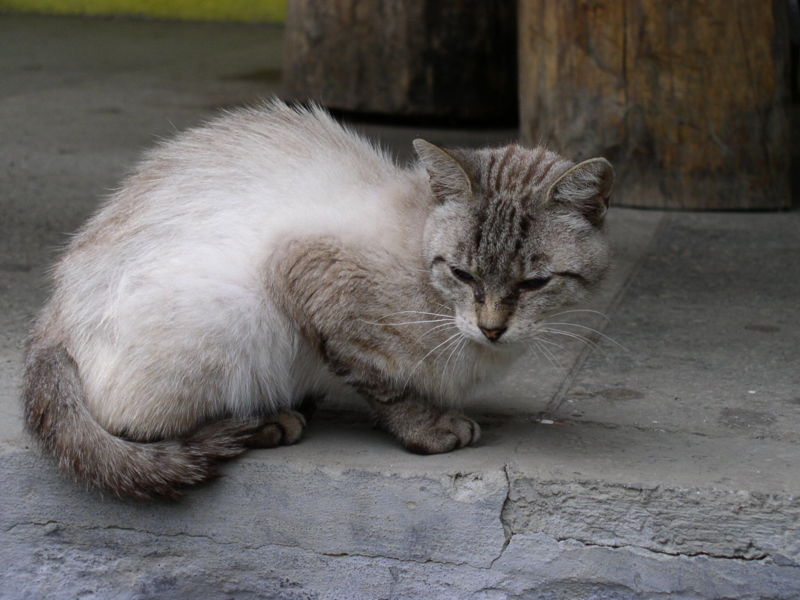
425, 429
338, 298
286, 428
282, 429
419, 426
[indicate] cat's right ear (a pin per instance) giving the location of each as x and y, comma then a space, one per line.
448, 178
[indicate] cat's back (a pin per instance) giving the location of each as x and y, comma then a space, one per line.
244, 179
254, 162
204, 212
271, 146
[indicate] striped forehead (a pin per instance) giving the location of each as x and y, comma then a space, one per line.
501, 236
512, 180
514, 172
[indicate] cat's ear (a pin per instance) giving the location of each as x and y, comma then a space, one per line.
448, 178
586, 187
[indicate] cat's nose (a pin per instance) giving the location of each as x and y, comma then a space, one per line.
492, 333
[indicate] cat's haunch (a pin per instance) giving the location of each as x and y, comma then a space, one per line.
266, 257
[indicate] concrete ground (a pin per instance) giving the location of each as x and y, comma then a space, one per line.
663, 464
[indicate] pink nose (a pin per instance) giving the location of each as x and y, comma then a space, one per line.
494, 333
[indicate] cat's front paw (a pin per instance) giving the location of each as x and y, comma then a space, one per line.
449, 431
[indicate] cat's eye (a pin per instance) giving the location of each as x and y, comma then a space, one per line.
462, 275
578, 277
535, 283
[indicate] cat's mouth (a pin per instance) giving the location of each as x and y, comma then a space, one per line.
483, 335
495, 341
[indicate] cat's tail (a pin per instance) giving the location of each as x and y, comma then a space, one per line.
56, 414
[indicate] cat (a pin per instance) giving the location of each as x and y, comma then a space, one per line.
256, 262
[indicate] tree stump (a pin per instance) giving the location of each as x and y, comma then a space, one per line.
452, 59
686, 98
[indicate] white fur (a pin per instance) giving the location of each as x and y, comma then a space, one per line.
162, 296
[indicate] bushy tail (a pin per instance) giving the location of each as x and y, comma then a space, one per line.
55, 413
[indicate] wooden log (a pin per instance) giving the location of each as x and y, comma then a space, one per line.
452, 59
686, 98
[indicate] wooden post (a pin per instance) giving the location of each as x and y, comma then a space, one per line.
453, 59
685, 97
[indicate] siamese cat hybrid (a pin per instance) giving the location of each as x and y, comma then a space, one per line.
249, 264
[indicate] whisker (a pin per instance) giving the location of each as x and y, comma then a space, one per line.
571, 334
549, 355
456, 346
460, 354
593, 330
416, 312
406, 322
539, 349
448, 344
436, 327
581, 338
452, 344
421, 360
550, 342
532, 346
581, 310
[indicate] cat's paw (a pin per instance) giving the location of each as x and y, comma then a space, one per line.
449, 431
283, 429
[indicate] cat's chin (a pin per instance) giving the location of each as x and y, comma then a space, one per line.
499, 349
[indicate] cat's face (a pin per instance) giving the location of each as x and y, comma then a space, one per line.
516, 237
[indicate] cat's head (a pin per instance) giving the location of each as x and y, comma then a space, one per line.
516, 236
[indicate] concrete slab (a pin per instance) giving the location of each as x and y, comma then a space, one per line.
668, 470
711, 327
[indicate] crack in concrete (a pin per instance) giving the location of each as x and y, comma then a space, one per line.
506, 520
402, 560
245, 546
503, 521
121, 528
758, 558
503, 516
40, 524
160, 534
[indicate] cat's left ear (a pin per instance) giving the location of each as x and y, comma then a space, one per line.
586, 187
448, 178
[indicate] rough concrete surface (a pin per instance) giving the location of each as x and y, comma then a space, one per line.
663, 462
